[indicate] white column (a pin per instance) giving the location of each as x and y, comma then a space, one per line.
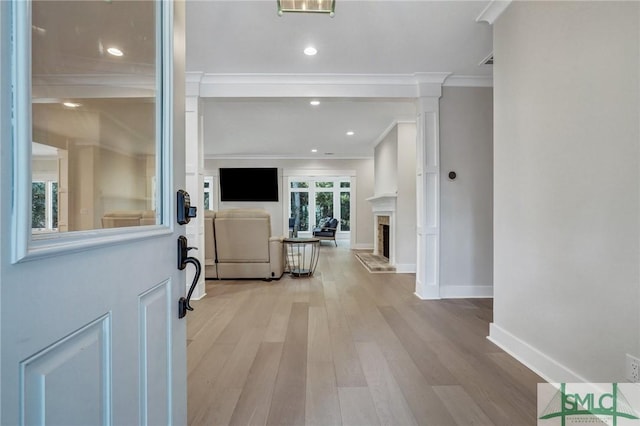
428, 194
194, 166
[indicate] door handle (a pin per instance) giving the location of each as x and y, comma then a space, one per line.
183, 260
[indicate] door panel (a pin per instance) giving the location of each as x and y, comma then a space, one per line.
155, 348
89, 328
75, 367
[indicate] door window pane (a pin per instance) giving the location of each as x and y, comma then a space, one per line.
300, 210
94, 112
38, 205
345, 214
54, 204
324, 206
324, 184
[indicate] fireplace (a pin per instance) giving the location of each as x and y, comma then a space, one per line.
385, 241
384, 209
382, 236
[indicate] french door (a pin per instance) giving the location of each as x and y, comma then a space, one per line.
314, 199
89, 325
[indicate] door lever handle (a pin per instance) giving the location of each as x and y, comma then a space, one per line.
183, 260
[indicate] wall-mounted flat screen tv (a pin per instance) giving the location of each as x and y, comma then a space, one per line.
249, 184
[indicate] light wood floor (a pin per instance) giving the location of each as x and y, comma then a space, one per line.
348, 347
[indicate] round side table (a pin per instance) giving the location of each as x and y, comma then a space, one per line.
301, 255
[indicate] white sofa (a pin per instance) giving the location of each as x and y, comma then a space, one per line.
238, 245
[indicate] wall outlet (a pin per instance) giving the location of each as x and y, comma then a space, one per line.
633, 369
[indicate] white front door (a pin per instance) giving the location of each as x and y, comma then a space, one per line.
90, 333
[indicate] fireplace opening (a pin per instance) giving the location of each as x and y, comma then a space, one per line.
385, 241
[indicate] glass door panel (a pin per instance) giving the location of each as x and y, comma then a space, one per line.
345, 208
323, 206
94, 112
300, 211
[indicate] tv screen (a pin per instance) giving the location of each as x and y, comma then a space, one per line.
249, 184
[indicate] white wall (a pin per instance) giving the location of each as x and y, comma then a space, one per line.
466, 203
363, 232
386, 164
566, 80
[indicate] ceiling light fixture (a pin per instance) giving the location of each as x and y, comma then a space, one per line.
115, 51
314, 103
350, 133
310, 51
308, 6
71, 104
314, 150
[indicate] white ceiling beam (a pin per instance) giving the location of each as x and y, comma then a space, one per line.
316, 85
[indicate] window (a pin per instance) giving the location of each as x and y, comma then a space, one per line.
319, 198
44, 206
99, 135
208, 193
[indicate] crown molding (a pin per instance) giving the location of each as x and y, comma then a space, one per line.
469, 81
192, 80
315, 85
319, 157
492, 12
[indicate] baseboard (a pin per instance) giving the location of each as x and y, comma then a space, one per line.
405, 268
537, 361
200, 291
362, 247
426, 292
466, 291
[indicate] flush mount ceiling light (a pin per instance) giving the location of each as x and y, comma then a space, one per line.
314, 150
71, 104
314, 103
310, 51
350, 133
115, 51
309, 6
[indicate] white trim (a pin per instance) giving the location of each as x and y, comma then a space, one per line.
540, 363
21, 123
25, 247
192, 86
426, 292
317, 172
287, 157
466, 291
405, 268
198, 297
362, 246
492, 12
428, 199
320, 85
469, 81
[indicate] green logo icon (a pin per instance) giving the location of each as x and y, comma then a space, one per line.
592, 406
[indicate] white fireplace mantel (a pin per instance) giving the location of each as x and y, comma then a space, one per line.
385, 205
383, 202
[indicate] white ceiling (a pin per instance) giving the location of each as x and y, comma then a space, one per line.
387, 38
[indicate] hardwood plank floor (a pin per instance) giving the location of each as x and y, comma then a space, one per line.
346, 347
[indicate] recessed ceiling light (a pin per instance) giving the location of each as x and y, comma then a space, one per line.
314, 150
71, 104
315, 103
310, 51
350, 133
115, 51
